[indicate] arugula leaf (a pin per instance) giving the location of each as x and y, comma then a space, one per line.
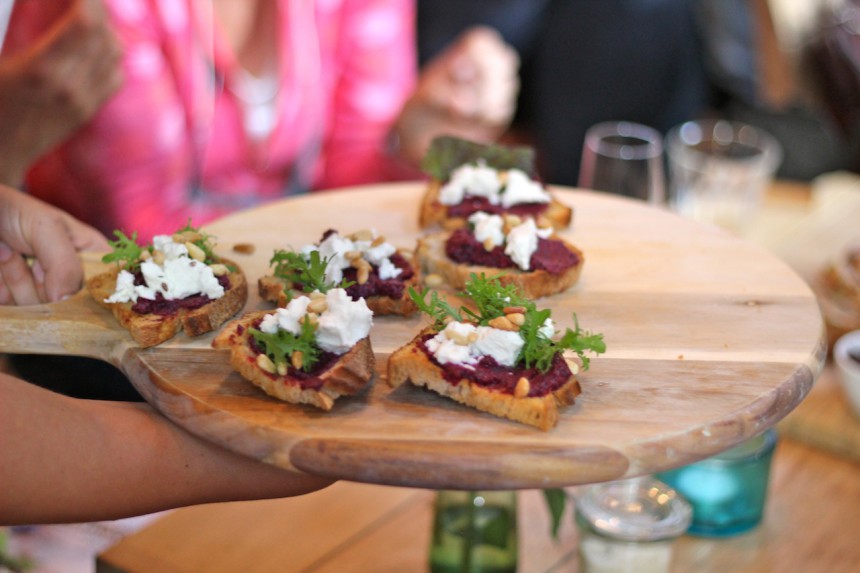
491, 297
308, 271
281, 345
437, 309
124, 249
446, 153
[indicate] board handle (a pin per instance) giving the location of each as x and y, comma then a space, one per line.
76, 326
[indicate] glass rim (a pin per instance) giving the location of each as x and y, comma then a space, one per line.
689, 133
641, 141
749, 450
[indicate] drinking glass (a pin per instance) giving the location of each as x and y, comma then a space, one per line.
727, 491
474, 532
624, 158
719, 171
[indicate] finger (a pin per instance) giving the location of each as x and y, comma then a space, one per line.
17, 277
54, 247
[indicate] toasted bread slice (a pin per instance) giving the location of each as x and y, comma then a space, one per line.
153, 329
272, 289
434, 213
350, 373
411, 364
532, 284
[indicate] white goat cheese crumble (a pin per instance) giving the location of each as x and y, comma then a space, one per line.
521, 242
334, 248
178, 277
506, 188
448, 345
341, 325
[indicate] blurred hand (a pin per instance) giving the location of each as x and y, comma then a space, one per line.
51, 239
468, 91
55, 85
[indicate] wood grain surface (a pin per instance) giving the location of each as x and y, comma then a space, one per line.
710, 340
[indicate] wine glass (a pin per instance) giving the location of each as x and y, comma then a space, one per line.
625, 158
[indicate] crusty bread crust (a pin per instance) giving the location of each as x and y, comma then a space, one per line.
532, 284
432, 212
271, 289
349, 375
410, 364
153, 329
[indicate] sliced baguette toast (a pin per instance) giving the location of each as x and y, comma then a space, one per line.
433, 213
350, 373
432, 259
153, 329
272, 289
411, 364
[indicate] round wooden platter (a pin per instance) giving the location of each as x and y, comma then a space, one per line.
710, 340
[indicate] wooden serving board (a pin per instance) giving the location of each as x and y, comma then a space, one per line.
710, 341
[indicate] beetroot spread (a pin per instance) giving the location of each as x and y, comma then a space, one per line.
551, 254
306, 380
375, 286
487, 373
472, 204
162, 306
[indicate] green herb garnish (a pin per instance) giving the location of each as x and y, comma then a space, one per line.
447, 153
124, 249
308, 271
281, 345
491, 298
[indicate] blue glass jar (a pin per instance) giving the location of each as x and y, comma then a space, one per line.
727, 491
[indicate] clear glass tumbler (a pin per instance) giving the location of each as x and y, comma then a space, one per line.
474, 532
629, 526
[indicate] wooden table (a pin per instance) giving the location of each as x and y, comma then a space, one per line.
809, 525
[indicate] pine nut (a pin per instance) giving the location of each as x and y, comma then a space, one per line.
457, 337
282, 369
489, 245
244, 248
522, 388
219, 269
186, 237
352, 255
145, 255
158, 257
318, 305
377, 241
362, 235
195, 252
296, 358
265, 363
512, 309
433, 280
516, 318
502, 323
363, 275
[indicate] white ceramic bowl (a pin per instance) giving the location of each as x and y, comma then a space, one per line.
849, 368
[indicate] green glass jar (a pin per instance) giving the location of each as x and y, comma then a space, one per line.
474, 532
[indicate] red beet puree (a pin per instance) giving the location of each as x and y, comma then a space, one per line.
489, 374
551, 254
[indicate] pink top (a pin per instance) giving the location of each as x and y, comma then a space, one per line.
171, 145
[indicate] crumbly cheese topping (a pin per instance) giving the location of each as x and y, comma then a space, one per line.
178, 277
464, 343
507, 187
335, 248
521, 241
340, 326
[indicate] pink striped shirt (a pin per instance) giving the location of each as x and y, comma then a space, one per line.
172, 146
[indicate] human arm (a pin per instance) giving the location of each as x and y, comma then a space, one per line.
64, 459
52, 85
51, 238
